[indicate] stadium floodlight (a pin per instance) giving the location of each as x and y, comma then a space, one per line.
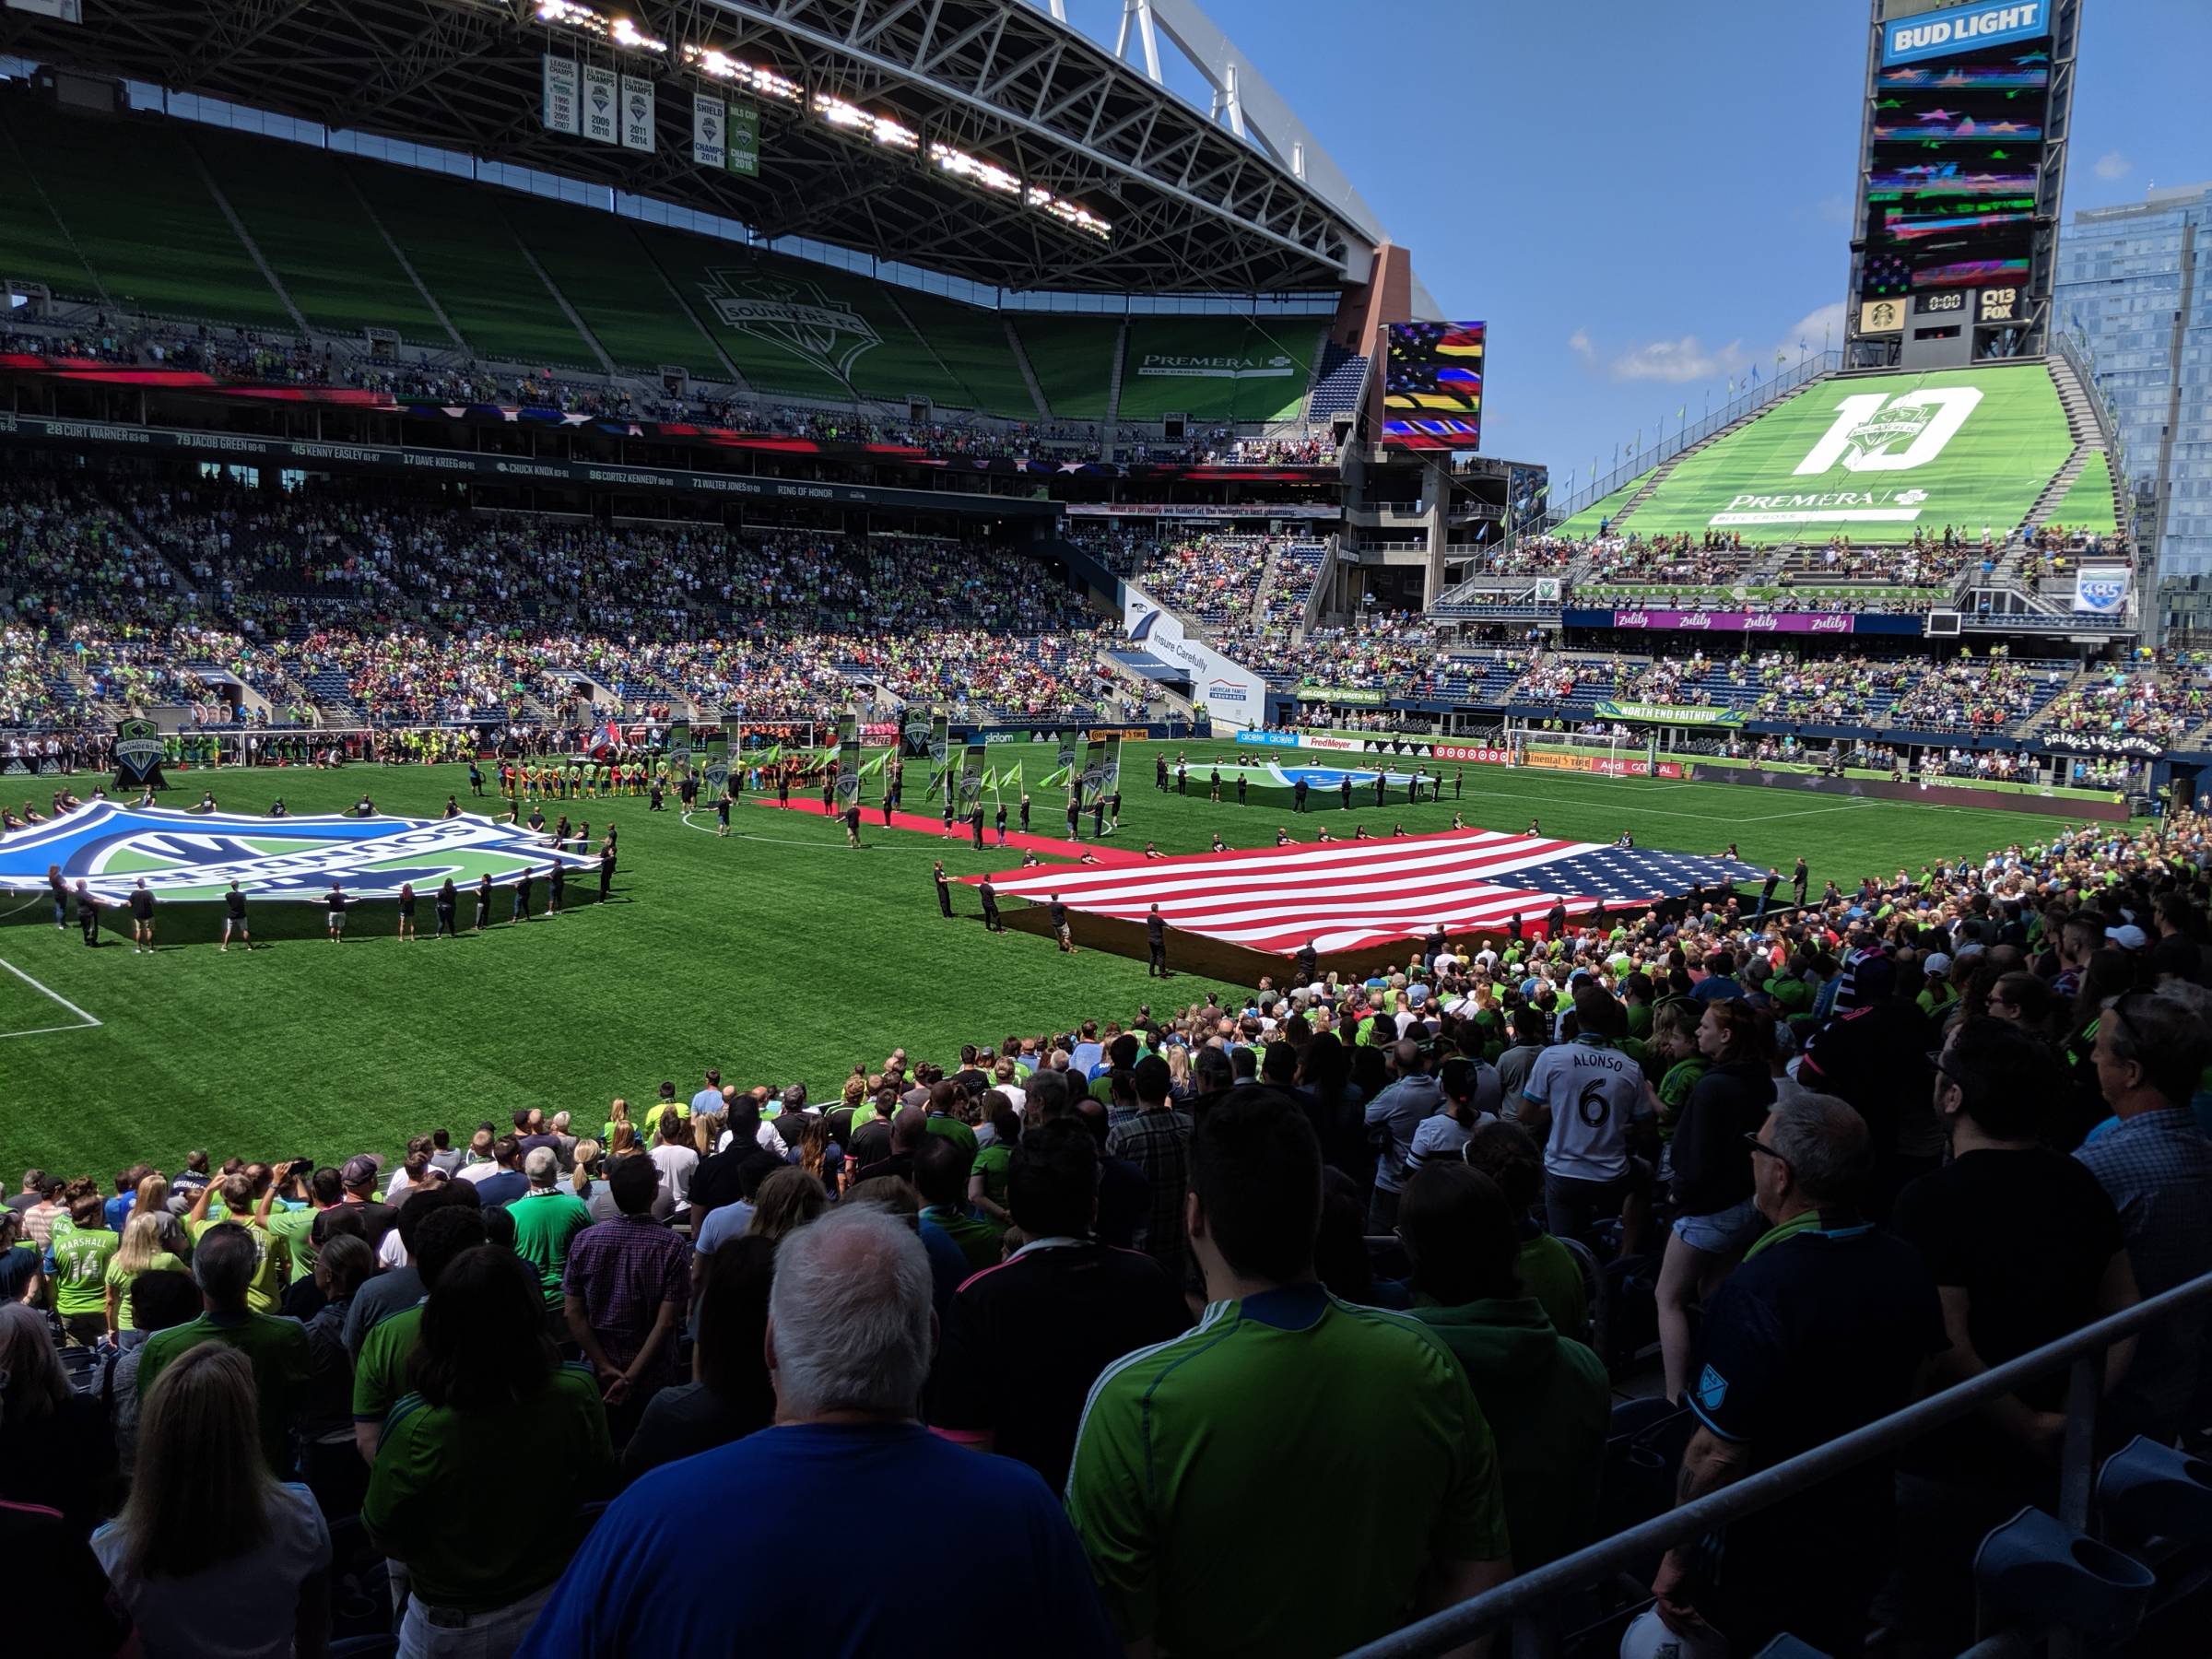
615, 30
717, 65
879, 129
983, 175
1072, 214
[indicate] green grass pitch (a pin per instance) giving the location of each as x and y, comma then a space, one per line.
779, 955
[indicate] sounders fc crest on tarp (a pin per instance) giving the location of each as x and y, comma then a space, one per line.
189, 856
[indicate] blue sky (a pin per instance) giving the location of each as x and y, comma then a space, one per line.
1642, 201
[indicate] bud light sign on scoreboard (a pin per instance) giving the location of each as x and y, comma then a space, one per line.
1962, 28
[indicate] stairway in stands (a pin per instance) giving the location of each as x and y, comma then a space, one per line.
1337, 383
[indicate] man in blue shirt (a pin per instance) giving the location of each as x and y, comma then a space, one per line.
1827, 1326
846, 1450
1719, 984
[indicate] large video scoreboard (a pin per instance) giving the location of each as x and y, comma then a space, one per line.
1432, 385
1961, 165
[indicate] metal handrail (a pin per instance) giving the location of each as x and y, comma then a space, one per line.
1442, 1632
1806, 369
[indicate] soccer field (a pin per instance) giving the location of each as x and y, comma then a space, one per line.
779, 955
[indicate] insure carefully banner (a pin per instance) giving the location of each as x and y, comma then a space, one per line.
1687, 714
1230, 692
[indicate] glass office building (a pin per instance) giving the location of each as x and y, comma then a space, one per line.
2134, 284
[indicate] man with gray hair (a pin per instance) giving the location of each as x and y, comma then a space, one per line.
851, 1330
1827, 1326
546, 1219
2155, 1164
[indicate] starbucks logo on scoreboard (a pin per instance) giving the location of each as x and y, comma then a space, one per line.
186, 857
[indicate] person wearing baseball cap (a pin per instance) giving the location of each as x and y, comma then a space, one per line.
2128, 936
1938, 993
357, 1174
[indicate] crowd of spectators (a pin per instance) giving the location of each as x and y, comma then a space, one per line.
2158, 707
1122, 1297
246, 356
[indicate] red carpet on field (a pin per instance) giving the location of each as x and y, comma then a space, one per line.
1044, 846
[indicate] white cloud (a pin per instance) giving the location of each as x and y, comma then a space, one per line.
1678, 361
1578, 343
1821, 326
2113, 165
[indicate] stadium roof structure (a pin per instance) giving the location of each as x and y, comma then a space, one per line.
1236, 200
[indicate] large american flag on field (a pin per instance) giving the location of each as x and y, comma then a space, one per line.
1350, 894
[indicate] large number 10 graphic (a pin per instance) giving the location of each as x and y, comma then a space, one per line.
1842, 441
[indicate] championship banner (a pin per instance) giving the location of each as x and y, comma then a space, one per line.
1093, 781
679, 745
559, 112
972, 776
706, 131
1065, 745
637, 112
1111, 784
940, 756
138, 754
741, 139
1667, 713
601, 118
848, 758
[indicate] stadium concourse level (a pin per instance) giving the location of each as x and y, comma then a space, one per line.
1084, 1213
247, 358
339, 608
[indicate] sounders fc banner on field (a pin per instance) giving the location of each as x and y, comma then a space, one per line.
679, 745
1093, 780
972, 776
940, 753
138, 754
848, 757
1667, 713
